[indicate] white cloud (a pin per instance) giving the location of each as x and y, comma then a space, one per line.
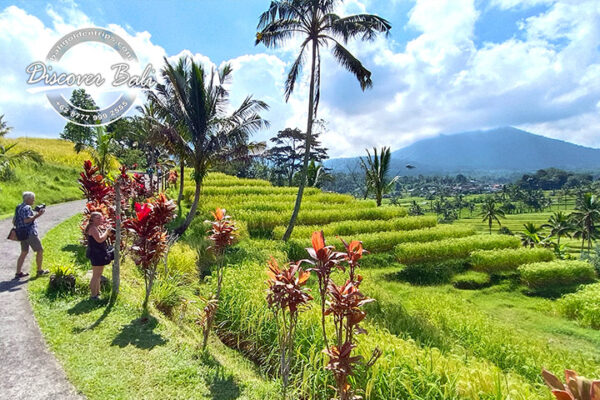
546, 80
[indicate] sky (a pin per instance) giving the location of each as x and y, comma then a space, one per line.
448, 66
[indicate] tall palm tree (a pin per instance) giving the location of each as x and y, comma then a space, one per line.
586, 216
315, 22
490, 212
198, 100
4, 128
376, 169
559, 225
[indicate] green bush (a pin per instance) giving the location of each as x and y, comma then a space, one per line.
386, 241
183, 261
471, 280
414, 253
432, 272
352, 227
583, 306
556, 274
62, 279
167, 294
506, 260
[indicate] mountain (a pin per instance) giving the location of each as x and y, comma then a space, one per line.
492, 152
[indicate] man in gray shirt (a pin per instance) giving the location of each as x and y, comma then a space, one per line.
25, 219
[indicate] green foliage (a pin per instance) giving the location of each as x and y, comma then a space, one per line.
62, 279
471, 280
168, 293
412, 253
506, 260
556, 274
81, 136
350, 227
386, 241
432, 272
583, 306
182, 261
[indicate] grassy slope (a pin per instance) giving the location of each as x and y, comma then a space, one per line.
110, 354
53, 182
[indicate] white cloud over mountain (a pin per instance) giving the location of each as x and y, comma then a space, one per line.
545, 78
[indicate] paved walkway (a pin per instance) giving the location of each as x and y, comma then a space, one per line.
27, 369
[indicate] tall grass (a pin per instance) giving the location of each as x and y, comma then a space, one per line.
351, 227
583, 306
405, 371
494, 261
556, 274
412, 253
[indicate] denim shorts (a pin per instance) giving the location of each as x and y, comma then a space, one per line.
32, 241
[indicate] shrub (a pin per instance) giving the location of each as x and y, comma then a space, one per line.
182, 260
386, 241
62, 279
506, 260
583, 306
355, 227
432, 272
556, 274
505, 231
413, 253
168, 293
471, 280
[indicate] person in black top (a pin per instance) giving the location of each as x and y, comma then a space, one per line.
97, 250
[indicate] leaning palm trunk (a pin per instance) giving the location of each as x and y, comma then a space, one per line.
311, 112
181, 182
188, 220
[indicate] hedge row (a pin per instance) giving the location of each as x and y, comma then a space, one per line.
583, 306
267, 220
412, 253
504, 260
556, 274
360, 227
385, 241
233, 198
283, 206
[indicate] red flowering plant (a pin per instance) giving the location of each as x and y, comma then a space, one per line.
172, 179
286, 296
93, 185
576, 387
150, 241
345, 304
222, 235
324, 260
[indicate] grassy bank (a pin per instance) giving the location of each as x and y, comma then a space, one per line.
116, 353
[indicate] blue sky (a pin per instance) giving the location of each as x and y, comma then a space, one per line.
449, 65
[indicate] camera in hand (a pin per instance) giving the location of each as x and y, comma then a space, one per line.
39, 207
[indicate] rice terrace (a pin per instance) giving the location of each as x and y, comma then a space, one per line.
307, 199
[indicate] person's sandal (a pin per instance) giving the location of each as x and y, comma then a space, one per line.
21, 275
43, 272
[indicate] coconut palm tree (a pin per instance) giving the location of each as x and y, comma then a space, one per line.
101, 151
316, 24
585, 218
9, 159
376, 169
198, 100
4, 128
531, 236
559, 225
490, 212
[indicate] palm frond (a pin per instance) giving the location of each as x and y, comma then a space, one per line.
353, 65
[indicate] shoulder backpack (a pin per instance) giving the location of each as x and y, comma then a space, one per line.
20, 233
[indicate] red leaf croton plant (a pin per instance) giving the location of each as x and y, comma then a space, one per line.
150, 241
342, 302
222, 235
576, 387
286, 296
